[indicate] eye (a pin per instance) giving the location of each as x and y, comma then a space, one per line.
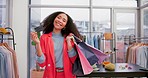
59, 17
64, 20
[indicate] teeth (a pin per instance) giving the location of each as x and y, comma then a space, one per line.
59, 25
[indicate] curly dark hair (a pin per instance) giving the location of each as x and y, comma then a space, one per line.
69, 28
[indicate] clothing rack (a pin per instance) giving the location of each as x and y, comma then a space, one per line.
137, 53
9, 67
140, 39
92, 33
129, 38
8, 38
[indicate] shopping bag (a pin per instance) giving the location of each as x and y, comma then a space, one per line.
88, 53
91, 53
81, 63
100, 55
77, 67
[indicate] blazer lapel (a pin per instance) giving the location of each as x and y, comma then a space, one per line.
51, 47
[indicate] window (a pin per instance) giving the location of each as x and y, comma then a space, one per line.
117, 3
101, 20
3, 13
60, 2
145, 22
124, 28
144, 2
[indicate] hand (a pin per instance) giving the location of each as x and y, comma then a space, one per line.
70, 37
34, 37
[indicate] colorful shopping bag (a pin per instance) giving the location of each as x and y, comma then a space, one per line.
81, 63
91, 53
88, 53
100, 55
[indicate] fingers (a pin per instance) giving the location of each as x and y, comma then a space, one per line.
70, 34
33, 35
70, 37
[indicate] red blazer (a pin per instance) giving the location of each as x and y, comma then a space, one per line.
46, 43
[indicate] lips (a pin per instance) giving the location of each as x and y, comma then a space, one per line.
58, 24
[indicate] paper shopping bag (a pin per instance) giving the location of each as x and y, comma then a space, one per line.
81, 62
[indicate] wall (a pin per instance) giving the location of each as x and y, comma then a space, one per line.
20, 25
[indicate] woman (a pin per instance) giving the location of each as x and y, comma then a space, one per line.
55, 48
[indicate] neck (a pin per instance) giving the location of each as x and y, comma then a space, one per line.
56, 31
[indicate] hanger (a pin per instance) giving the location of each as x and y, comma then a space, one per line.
4, 44
1, 44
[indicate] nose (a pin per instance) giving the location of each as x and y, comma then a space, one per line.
60, 20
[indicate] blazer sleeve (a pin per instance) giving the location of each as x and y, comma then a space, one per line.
42, 43
72, 59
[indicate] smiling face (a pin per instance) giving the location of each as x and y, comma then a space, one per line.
60, 21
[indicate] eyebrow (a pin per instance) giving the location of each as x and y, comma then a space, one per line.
63, 18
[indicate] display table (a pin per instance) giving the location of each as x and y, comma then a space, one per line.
121, 70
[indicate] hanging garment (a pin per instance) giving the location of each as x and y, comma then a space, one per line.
2, 66
8, 63
15, 65
95, 39
137, 53
11, 61
99, 42
8, 68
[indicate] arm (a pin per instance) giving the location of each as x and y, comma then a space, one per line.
40, 56
71, 51
39, 50
35, 38
73, 55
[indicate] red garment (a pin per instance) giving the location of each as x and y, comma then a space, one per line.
60, 75
46, 43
